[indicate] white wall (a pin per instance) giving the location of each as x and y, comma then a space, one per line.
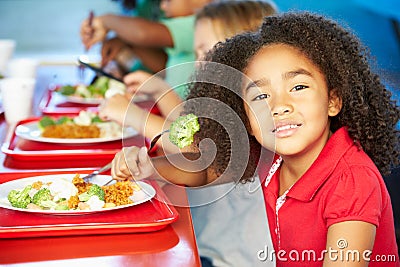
48, 29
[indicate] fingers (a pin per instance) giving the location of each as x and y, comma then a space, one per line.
105, 55
92, 33
135, 79
102, 110
120, 169
143, 157
131, 163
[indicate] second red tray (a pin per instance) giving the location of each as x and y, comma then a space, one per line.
22, 149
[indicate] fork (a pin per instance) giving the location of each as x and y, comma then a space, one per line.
153, 142
97, 172
81, 69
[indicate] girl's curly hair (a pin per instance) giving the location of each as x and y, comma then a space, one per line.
367, 111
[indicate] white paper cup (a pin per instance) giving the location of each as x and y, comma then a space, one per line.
22, 68
7, 47
17, 96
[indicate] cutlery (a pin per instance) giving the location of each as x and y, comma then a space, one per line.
101, 170
81, 67
99, 71
152, 144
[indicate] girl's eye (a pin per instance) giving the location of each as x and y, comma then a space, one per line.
260, 97
299, 87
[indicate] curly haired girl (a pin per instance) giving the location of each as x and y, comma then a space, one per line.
333, 132
310, 97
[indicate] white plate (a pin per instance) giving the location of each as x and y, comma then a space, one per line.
82, 100
31, 131
146, 193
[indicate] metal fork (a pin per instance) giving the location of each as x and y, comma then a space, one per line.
97, 172
153, 142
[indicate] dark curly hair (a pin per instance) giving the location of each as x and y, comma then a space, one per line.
368, 111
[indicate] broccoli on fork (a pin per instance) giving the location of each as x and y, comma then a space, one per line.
20, 198
182, 130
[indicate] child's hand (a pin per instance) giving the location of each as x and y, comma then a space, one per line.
110, 49
145, 83
93, 33
132, 163
114, 108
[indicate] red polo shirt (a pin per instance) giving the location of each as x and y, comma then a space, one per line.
343, 184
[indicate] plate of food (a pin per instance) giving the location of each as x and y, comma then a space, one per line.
103, 87
85, 128
69, 194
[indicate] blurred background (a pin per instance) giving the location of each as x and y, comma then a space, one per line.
49, 30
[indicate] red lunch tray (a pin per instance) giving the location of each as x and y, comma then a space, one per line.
21, 149
53, 103
149, 216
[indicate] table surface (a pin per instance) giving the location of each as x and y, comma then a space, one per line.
174, 245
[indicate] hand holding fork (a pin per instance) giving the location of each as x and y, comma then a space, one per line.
126, 155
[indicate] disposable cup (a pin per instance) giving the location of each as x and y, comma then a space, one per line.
22, 68
17, 96
7, 47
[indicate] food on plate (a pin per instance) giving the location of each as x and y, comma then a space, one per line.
86, 125
98, 90
77, 194
182, 130
71, 131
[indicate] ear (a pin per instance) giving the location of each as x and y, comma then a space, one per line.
334, 103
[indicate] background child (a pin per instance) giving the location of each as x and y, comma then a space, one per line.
332, 120
175, 34
127, 57
213, 23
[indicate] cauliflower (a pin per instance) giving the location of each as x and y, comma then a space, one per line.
95, 203
62, 189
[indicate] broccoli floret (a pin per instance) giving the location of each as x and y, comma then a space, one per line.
20, 198
41, 197
96, 119
182, 130
63, 120
94, 190
67, 90
62, 205
45, 121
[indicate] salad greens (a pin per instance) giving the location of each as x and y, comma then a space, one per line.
96, 90
182, 130
84, 118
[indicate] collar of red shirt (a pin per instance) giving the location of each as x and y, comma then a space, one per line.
307, 186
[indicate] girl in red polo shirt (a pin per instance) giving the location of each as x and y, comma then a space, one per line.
311, 97
332, 126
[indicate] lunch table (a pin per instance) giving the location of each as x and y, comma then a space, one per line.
99, 241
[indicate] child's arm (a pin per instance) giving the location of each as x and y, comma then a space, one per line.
133, 30
141, 166
119, 108
348, 240
168, 101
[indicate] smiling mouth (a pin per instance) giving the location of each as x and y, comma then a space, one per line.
286, 127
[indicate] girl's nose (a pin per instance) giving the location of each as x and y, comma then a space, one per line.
282, 110
280, 104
